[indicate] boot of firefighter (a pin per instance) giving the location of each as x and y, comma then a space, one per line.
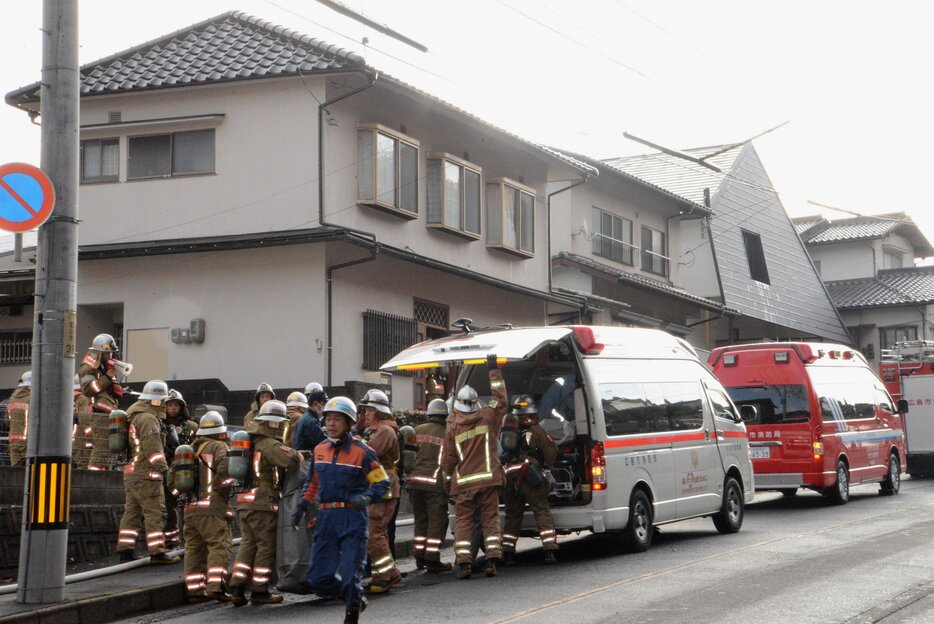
509, 558
237, 596
264, 598
436, 567
465, 571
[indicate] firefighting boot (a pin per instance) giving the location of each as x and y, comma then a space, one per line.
265, 598
352, 615
237, 597
436, 567
163, 559
219, 596
490, 568
127, 556
550, 557
197, 598
420, 563
509, 558
466, 571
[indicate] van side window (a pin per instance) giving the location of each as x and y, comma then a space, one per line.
721, 405
630, 408
685, 407
882, 398
827, 411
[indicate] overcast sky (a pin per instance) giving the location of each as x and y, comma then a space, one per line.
852, 78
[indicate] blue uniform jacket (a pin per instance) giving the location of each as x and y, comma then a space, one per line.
344, 470
308, 432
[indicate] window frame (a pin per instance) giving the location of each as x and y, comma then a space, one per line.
890, 251
172, 172
499, 187
375, 201
464, 167
601, 239
102, 141
651, 255
884, 344
755, 257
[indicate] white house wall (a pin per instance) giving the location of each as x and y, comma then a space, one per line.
845, 260
871, 320
695, 260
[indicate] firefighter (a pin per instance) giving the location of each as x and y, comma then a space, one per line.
257, 507
207, 514
81, 440
263, 393
180, 429
99, 384
347, 477
526, 482
471, 457
296, 404
145, 474
17, 409
426, 485
309, 432
383, 437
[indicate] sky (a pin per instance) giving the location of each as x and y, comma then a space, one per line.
852, 79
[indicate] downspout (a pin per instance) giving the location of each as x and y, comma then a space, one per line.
374, 251
716, 268
584, 180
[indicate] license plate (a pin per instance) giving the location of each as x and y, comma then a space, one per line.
760, 452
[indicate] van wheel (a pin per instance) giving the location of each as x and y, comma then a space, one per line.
839, 492
639, 530
730, 517
893, 480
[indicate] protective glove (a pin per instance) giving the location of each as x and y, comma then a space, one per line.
359, 501
491, 362
117, 390
299, 514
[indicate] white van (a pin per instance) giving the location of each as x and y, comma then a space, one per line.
646, 434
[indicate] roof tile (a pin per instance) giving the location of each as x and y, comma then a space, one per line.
892, 287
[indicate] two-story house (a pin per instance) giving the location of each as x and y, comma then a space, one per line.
867, 264
258, 205
745, 255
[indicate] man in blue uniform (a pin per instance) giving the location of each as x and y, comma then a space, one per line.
347, 477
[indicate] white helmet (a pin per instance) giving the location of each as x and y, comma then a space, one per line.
155, 390
297, 399
212, 423
466, 401
437, 407
26, 380
315, 392
272, 411
175, 395
378, 400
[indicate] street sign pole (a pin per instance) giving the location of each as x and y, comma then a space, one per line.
44, 537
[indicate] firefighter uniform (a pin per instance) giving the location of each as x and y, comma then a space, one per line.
82, 444
143, 476
257, 508
181, 430
208, 515
471, 457
17, 409
99, 384
347, 475
525, 482
426, 490
384, 440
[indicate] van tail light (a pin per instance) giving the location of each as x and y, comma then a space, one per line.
597, 467
817, 446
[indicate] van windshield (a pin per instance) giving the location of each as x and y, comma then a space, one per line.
775, 404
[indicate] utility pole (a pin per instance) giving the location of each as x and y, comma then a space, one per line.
44, 537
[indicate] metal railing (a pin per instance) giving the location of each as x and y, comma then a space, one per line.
15, 350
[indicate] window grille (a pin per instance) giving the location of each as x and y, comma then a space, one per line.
433, 314
16, 348
385, 335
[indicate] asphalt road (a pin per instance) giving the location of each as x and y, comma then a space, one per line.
795, 560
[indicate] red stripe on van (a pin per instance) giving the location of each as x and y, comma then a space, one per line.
735, 434
656, 439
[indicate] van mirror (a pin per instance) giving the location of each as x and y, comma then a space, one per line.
748, 412
902, 406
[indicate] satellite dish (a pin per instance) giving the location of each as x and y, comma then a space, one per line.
585, 230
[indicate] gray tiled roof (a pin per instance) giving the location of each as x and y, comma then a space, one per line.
806, 225
891, 287
635, 279
871, 227
231, 46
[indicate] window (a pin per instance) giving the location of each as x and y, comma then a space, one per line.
654, 251
892, 258
721, 406
775, 404
612, 236
756, 257
167, 155
387, 170
385, 335
100, 160
630, 408
453, 195
888, 336
510, 217
16, 347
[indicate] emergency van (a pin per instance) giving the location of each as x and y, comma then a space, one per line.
908, 373
818, 417
646, 435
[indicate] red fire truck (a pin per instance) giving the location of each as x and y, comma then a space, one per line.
908, 373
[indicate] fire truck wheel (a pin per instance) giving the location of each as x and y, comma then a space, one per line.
839, 492
730, 517
639, 530
893, 480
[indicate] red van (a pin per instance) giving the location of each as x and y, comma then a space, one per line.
817, 416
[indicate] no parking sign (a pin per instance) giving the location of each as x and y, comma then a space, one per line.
26, 197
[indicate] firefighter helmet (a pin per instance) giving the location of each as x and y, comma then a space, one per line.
297, 399
378, 400
104, 343
264, 387
212, 423
467, 401
314, 392
155, 390
26, 380
175, 395
523, 405
342, 405
437, 407
272, 411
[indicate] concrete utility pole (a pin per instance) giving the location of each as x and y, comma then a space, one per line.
44, 543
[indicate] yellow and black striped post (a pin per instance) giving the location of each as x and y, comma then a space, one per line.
49, 494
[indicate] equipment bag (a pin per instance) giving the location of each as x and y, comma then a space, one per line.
293, 545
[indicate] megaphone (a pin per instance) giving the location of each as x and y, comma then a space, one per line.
122, 369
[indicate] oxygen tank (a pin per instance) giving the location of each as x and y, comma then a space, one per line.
409, 447
509, 436
183, 468
117, 432
238, 465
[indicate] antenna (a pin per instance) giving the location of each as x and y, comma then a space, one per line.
585, 230
346, 11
